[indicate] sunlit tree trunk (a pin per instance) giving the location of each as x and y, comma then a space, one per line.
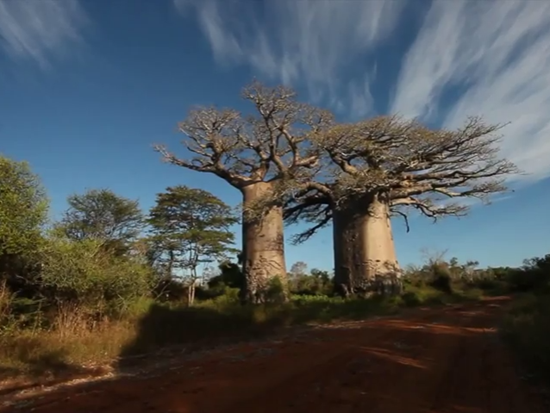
364, 251
263, 248
191, 292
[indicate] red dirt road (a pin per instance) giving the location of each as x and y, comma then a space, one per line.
431, 360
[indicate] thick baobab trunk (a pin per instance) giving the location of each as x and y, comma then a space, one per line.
364, 251
263, 248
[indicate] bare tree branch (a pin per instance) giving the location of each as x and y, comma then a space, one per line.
405, 159
215, 137
308, 233
430, 209
281, 116
415, 166
270, 145
309, 206
404, 216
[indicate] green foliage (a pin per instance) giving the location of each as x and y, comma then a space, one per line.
277, 291
318, 282
23, 208
100, 214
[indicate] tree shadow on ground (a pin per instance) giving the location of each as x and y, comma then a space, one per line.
166, 334
446, 360
165, 330
193, 328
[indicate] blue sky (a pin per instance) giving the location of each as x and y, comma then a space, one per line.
88, 86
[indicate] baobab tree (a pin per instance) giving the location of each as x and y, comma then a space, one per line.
259, 155
387, 166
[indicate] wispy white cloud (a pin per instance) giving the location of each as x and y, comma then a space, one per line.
488, 58
496, 57
40, 30
306, 41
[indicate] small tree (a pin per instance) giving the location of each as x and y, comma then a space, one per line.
23, 213
257, 155
102, 215
383, 166
298, 268
192, 227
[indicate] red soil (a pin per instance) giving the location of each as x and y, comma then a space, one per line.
431, 360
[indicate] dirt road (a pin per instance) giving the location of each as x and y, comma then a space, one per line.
431, 360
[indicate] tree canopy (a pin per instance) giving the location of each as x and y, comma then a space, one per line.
102, 215
23, 207
191, 227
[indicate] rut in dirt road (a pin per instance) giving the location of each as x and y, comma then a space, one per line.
445, 360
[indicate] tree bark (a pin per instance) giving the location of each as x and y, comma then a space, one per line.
364, 253
264, 266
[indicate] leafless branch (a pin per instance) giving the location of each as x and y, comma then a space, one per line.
404, 216
429, 208
307, 234
270, 145
405, 159
287, 124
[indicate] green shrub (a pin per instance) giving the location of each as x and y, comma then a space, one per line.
277, 291
486, 283
411, 299
81, 276
533, 276
527, 280
441, 279
527, 328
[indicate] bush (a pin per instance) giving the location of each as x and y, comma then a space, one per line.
277, 291
527, 325
533, 276
81, 276
411, 299
441, 278
442, 282
487, 284
527, 328
318, 283
527, 280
